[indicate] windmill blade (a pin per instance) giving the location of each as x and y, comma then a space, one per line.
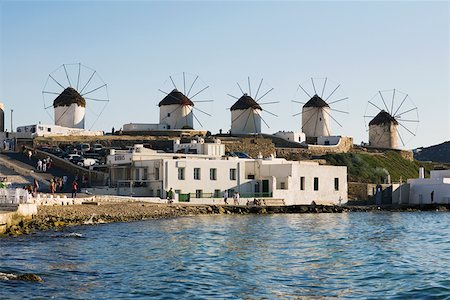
46, 92
94, 99
301, 112
202, 111
398, 108
307, 121
67, 75
264, 94
48, 106
200, 101
50, 75
297, 114
336, 101
382, 98
243, 111
254, 123
91, 91
273, 102
201, 125
246, 121
298, 102
89, 80
163, 92
173, 83
242, 91
304, 91
314, 87
332, 117
178, 107
326, 126
233, 96
403, 120
184, 84
339, 111
262, 120
369, 117
192, 85
332, 92
400, 136
200, 91
78, 77
249, 87
375, 105
407, 111
95, 121
323, 88
407, 129
259, 86
392, 102
271, 113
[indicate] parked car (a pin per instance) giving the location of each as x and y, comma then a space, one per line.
97, 147
83, 147
86, 162
72, 157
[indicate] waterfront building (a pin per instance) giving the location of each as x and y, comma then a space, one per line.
433, 190
145, 172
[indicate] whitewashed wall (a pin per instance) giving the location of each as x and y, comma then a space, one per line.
316, 121
180, 115
245, 122
70, 116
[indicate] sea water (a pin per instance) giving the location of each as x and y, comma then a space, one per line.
350, 255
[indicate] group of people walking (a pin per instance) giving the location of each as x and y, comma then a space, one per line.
44, 164
236, 197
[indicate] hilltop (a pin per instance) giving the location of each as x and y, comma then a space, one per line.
436, 153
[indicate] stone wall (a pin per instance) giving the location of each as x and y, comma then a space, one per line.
252, 146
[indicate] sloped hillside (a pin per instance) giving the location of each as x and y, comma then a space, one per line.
436, 153
374, 167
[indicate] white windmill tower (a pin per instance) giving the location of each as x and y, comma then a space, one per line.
79, 84
317, 112
246, 111
392, 116
176, 109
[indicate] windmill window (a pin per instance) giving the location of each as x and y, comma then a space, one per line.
168, 114
316, 183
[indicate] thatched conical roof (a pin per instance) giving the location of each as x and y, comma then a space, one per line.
316, 101
176, 97
244, 103
69, 96
383, 117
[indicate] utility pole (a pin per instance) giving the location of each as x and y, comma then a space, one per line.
12, 120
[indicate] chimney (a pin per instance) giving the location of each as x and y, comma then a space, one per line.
421, 173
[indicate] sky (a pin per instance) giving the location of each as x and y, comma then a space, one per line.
136, 45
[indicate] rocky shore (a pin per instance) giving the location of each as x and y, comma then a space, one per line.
53, 217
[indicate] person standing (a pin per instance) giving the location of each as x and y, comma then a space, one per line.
74, 189
39, 165
236, 201
35, 187
225, 197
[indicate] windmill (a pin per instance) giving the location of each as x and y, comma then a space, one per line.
325, 99
176, 109
246, 111
78, 89
391, 115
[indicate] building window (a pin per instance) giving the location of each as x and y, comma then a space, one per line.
197, 173
158, 193
168, 114
232, 174
302, 183
336, 184
282, 185
316, 183
213, 174
198, 193
156, 173
180, 173
250, 176
216, 193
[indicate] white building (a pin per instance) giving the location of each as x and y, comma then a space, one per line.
175, 111
433, 190
383, 131
245, 116
30, 131
145, 172
198, 146
70, 109
291, 136
316, 118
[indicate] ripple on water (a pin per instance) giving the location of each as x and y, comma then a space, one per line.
351, 255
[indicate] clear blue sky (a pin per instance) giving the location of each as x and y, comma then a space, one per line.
135, 46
